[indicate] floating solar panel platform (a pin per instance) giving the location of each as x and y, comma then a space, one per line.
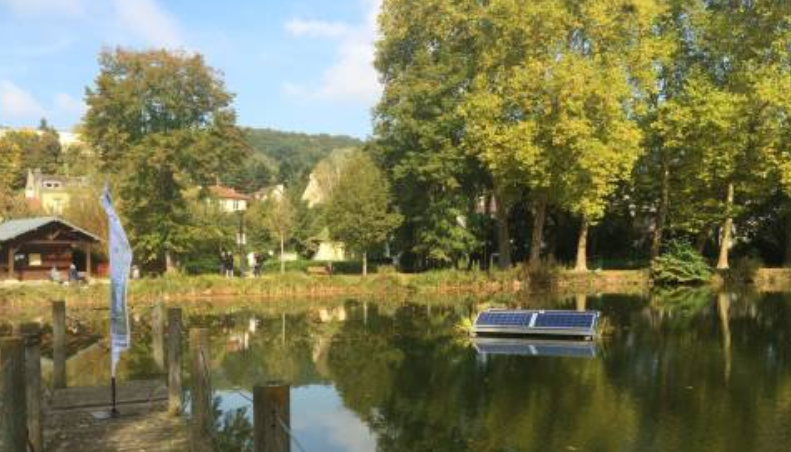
536, 323
534, 347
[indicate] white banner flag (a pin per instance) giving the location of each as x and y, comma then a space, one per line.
120, 266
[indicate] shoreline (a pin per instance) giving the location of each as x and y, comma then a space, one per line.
439, 283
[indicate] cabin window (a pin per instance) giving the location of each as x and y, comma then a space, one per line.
20, 259
34, 259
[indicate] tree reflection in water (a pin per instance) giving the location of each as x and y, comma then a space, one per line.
679, 370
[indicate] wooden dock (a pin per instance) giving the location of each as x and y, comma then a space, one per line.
77, 420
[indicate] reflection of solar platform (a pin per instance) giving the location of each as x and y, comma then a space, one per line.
535, 322
531, 347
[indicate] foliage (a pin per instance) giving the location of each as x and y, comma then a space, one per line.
359, 211
278, 219
294, 154
28, 149
161, 122
680, 264
744, 270
85, 211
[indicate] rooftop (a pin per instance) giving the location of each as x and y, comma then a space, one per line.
12, 229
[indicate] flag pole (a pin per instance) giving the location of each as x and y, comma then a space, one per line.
114, 411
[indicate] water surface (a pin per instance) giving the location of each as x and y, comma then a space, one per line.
684, 371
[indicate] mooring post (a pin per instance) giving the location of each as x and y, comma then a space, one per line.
174, 361
13, 421
201, 424
31, 333
271, 418
158, 336
59, 344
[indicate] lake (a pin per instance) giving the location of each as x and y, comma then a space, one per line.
677, 371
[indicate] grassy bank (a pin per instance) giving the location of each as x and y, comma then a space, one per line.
291, 284
301, 285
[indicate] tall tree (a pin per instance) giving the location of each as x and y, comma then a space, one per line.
424, 61
161, 121
279, 218
359, 212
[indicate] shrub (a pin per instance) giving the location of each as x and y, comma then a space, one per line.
680, 264
744, 270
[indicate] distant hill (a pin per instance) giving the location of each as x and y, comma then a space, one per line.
296, 154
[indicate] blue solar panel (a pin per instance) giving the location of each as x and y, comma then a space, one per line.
505, 318
565, 320
523, 321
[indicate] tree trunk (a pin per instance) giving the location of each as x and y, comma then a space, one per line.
537, 235
282, 255
582, 245
365, 263
787, 258
503, 236
725, 234
661, 215
169, 267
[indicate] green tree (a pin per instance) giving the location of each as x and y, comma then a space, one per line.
425, 61
278, 219
30, 149
161, 122
10, 162
359, 210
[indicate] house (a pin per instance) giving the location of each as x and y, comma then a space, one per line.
229, 199
51, 192
31, 247
275, 193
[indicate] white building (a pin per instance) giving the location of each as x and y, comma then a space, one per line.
229, 199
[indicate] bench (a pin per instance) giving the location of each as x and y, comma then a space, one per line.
322, 270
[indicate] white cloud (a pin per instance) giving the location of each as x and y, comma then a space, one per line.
36, 7
316, 28
352, 78
69, 105
18, 104
150, 22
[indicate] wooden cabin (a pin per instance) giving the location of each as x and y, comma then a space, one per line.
31, 247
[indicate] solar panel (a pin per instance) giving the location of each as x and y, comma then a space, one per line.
565, 320
505, 318
538, 322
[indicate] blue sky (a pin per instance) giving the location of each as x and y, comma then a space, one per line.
299, 65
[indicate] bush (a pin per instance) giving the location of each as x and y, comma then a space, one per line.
680, 264
743, 271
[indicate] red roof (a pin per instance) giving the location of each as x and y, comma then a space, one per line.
228, 193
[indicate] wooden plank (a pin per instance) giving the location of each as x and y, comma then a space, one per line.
141, 427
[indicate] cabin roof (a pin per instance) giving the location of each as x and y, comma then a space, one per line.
12, 229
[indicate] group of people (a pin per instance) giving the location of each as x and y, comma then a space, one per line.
73, 276
227, 264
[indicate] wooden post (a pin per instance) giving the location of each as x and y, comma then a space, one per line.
59, 344
174, 361
88, 261
11, 253
158, 336
31, 333
201, 424
13, 420
271, 418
